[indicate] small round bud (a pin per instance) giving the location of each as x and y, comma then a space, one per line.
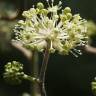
67, 10
56, 16
37, 10
63, 17
25, 14
21, 22
40, 5
51, 50
56, 30
32, 10
44, 11
69, 15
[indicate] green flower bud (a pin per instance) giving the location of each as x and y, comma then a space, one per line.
51, 50
21, 22
63, 17
32, 11
67, 10
40, 5
56, 16
44, 11
24, 13
37, 10
56, 30
13, 72
69, 15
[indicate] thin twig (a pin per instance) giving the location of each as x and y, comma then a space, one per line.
30, 78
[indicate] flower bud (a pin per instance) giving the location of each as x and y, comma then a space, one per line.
56, 17
44, 11
63, 17
40, 5
13, 72
67, 10
69, 15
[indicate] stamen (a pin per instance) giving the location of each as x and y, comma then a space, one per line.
60, 3
78, 51
51, 45
74, 54
33, 6
52, 2
48, 2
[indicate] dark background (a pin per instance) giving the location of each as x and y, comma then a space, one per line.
66, 75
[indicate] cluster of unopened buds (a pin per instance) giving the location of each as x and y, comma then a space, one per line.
93, 86
64, 31
14, 73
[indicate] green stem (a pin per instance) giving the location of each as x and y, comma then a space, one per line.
43, 70
35, 90
31, 79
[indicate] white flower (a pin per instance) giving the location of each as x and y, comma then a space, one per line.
64, 31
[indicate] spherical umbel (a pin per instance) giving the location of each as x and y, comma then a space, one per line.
64, 30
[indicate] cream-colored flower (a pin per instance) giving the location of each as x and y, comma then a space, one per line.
64, 31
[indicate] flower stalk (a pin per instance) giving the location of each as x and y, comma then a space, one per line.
34, 68
43, 69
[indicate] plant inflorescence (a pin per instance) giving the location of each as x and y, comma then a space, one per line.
47, 30
63, 30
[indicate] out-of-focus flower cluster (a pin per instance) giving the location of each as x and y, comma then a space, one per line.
13, 72
7, 10
64, 31
8, 14
91, 26
93, 86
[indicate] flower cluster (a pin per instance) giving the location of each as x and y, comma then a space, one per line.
91, 26
13, 72
64, 31
93, 86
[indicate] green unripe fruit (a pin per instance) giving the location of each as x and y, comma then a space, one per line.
40, 5
67, 10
